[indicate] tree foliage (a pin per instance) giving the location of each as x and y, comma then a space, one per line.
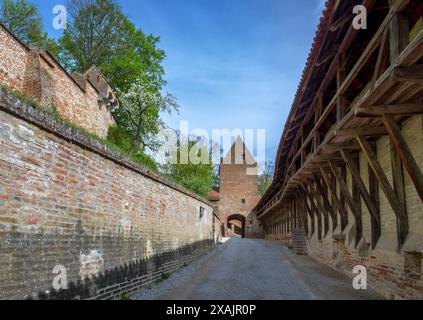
197, 177
139, 114
122, 140
23, 19
265, 178
99, 33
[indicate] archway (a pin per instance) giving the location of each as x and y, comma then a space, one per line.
236, 223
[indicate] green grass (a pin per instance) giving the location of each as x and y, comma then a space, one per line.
125, 296
164, 276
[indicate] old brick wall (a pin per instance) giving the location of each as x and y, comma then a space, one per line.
67, 200
13, 60
36, 74
397, 274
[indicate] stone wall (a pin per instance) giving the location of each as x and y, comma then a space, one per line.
37, 75
397, 274
67, 200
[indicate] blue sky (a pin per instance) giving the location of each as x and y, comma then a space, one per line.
230, 63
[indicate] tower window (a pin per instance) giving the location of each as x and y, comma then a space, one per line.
244, 156
201, 212
243, 201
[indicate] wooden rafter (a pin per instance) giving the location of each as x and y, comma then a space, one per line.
402, 219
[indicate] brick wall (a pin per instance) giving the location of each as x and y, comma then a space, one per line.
66, 199
397, 274
36, 74
238, 184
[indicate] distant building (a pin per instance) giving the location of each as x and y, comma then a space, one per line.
238, 192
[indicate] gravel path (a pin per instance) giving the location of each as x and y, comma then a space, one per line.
251, 269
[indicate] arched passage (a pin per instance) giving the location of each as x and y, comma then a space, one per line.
236, 222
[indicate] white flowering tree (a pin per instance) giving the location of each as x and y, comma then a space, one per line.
139, 114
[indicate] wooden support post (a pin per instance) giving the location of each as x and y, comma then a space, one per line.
374, 195
397, 175
341, 103
326, 204
404, 152
317, 213
343, 187
335, 199
359, 215
381, 62
308, 209
401, 215
320, 207
399, 30
373, 209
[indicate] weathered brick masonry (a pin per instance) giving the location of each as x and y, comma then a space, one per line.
66, 199
85, 100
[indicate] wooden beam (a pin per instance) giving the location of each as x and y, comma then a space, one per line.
321, 207
404, 152
408, 73
382, 58
363, 131
335, 147
343, 187
397, 6
397, 175
335, 199
399, 30
402, 219
360, 184
375, 226
324, 204
317, 213
325, 157
310, 212
393, 109
342, 21
332, 53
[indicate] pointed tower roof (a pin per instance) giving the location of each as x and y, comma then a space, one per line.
239, 154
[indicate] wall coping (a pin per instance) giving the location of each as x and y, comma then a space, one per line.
11, 104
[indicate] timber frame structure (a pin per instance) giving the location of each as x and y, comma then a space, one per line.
358, 86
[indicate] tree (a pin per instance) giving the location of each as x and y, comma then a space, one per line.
139, 114
99, 33
23, 19
197, 177
266, 177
